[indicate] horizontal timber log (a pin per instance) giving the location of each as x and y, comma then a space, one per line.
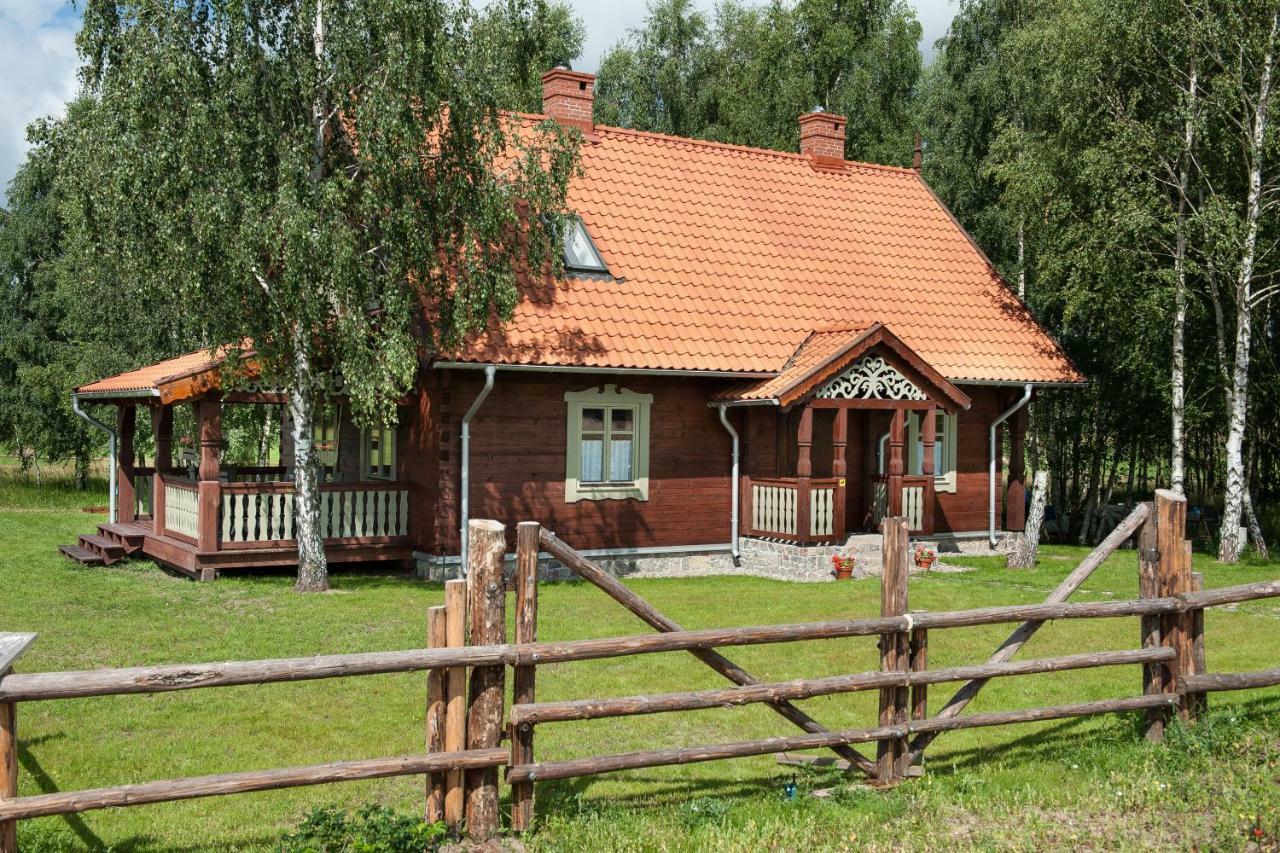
689, 755
26, 687
591, 709
69, 802
1215, 681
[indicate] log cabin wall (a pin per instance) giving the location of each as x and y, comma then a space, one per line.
518, 461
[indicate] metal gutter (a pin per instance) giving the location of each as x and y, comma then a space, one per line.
634, 371
130, 393
733, 489
465, 509
111, 455
1003, 383
991, 465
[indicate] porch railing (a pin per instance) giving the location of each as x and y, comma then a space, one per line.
776, 509
257, 513
917, 500
181, 508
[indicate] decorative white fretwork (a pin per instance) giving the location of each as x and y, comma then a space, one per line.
871, 378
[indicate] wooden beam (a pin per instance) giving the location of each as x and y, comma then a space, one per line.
689, 755
1212, 682
71, 802
126, 497
13, 646
651, 616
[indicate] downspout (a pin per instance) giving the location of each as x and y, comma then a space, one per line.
465, 513
733, 489
111, 455
991, 469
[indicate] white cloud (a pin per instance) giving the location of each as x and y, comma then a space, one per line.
37, 71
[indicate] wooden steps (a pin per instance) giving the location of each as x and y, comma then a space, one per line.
111, 544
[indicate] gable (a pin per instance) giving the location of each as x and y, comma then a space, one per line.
871, 377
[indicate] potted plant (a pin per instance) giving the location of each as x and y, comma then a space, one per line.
925, 555
842, 566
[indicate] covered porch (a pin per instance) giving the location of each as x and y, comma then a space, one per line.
855, 429
200, 512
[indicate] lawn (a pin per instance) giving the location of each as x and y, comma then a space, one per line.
1062, 784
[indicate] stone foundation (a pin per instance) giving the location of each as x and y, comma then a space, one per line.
759, 558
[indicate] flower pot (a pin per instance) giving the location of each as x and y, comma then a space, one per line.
925, 562
843, 573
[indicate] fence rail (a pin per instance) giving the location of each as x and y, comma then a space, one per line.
465, 721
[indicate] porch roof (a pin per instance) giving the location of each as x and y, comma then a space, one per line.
831, 349
173, 380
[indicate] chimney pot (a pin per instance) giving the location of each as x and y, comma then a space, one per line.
569, 97
917, 156
822, 135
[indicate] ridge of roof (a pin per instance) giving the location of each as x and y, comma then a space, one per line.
609, 129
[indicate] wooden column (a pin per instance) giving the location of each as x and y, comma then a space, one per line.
897, 438
928, 439
526, 632
455, 726
488, 626
1173, 576
1015, 501
209, 417
893, 755
804, 472
8, 772
839, 469
162, 430
126, 498
1153, 675
437, 699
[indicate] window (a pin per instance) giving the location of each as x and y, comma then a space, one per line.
579, 252
607, 456
944, 450
378, 453
324, 434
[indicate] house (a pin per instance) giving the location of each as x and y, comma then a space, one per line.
753, 356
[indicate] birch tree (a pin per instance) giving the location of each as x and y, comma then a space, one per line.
329, 183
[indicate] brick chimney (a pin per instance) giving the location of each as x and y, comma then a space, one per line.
822, 135
568, 97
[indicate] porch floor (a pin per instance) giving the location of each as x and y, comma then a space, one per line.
121, 540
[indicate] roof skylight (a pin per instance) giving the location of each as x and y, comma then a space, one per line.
579, 252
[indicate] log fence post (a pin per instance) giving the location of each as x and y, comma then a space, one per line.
488, 626
919, 663
8, 771
527, 533
1196, 703
892, 754
437, 699
1174, 578
1153, 674
455, 723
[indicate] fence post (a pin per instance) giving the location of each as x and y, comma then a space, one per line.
1174, 577
8, 771
1153, 675
526, 632
892, 754
488, 626
455, 721
1196, 704
437, 697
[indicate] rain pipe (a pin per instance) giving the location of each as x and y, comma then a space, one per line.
991, 466
111, 455
733, 489
489, 372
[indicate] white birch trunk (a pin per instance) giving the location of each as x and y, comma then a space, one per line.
313, 565
1233, 501
1177, 464
1027, 545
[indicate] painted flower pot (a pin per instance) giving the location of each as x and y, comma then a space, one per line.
925, 562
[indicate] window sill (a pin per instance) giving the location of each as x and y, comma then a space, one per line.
605, 492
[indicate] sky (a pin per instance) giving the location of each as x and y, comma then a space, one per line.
38, 57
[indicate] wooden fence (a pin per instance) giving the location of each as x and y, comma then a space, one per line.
466, 717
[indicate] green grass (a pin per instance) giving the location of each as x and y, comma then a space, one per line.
1060, 784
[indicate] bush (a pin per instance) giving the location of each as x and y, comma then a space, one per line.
372, 829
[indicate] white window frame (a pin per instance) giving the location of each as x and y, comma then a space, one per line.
327, 429
388, 448
608, 397
944, 480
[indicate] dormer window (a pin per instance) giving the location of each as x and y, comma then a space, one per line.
580, 253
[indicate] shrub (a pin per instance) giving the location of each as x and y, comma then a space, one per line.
372, 829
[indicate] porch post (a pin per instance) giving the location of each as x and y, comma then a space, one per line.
209, 414
804, 472
126, 501
162, 426
839, 468
1015, 502
897, 438
928, 438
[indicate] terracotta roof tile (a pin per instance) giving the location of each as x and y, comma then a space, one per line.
149, 378
725, 258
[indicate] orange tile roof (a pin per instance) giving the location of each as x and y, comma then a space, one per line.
149, 378
828, 351
726, 258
